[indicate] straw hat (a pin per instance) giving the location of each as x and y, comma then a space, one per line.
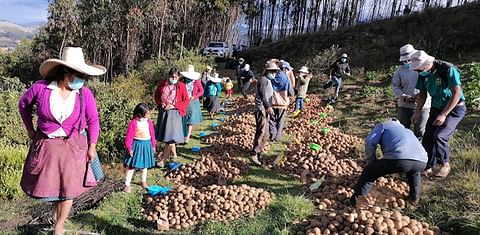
241, 60
190, 73
406, 52
215, 78
420, 59
72, 57
303, 69
271, 65
209, 67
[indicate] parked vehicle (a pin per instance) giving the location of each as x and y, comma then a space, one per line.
217, 49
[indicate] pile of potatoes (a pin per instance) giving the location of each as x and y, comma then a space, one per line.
242, 105
186, 206
373, 220
208, 170
236, 137
335, 193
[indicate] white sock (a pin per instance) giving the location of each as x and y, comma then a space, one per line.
128, 177
144, 175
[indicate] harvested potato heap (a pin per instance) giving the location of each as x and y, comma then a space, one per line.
185, 206
209, 170
335, 192
242, 105
235, 138
374, 220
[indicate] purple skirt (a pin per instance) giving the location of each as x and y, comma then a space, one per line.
56, 168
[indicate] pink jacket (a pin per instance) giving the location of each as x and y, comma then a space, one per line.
132, 126
197, 90
39, 95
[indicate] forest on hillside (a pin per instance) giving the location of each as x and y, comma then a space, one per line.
123, 34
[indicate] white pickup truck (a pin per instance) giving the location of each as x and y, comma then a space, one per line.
218, 49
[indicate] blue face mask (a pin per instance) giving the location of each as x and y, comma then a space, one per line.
173, 81
425, 73
270, 76
76, 84
407, 65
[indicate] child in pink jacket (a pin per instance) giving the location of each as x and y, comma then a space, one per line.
140, 144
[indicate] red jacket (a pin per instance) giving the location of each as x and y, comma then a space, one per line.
182, 96
197, 89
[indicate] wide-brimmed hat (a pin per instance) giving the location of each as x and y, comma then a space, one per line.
271, 65
420, 59
214, 78
72, 57
406, 52
190, 73
303, 69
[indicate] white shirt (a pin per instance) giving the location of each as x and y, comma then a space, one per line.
143, 130
61, 109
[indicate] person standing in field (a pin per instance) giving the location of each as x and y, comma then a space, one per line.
338, 71
195, 91
57, 167
304, 77
263, 110
247, 78
442, 81
140, 144
403, 84
172, 100
212, 93
238, 73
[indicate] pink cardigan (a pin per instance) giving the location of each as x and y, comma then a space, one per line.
132, 126
39, 95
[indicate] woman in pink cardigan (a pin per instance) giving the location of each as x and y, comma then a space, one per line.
56, 168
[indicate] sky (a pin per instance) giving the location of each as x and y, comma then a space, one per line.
23, 11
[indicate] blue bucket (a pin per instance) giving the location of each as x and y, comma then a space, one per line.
222, 119
196, 149
202, 134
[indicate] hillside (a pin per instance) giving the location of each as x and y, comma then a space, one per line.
445, 33
10, 33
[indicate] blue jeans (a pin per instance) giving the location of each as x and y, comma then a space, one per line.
299, 104
435, 139
337, 83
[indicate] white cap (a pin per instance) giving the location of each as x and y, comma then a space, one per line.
303, 69
344, 55
246, 67
406, 52
420, 59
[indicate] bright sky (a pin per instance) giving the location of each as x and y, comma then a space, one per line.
23, 11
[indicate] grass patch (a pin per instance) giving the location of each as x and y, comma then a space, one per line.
281, 217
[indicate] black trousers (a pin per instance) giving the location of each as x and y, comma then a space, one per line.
245, 87
276, 123
261, 132
384, 167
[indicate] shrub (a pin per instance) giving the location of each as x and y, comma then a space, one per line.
11, 165
12, 131
115, 102
471, 84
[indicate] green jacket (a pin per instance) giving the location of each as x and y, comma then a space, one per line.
302, 85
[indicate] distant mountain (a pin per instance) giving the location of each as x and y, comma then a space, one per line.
11, 33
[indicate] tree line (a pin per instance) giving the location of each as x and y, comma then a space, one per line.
121, 34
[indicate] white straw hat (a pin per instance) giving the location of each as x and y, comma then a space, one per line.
214, 78
406, 52
190, 73
271, 65
420, 59
72, 57
303, 69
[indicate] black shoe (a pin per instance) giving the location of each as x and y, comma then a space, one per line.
353, 200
